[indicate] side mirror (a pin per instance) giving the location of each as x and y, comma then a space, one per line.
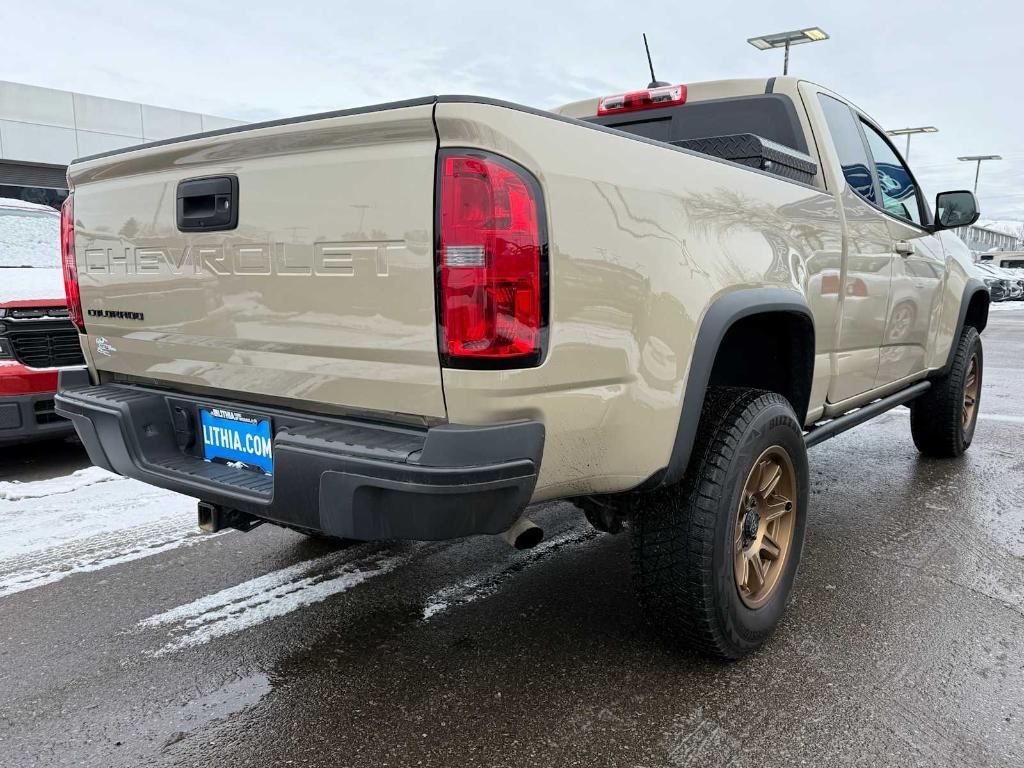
955, 209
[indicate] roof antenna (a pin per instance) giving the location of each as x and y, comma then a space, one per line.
655, 82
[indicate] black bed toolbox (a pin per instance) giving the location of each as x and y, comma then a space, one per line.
751, 150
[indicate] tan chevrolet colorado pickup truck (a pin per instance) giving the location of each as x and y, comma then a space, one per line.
413, 320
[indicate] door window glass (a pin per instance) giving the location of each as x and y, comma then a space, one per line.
849, 146
899, 193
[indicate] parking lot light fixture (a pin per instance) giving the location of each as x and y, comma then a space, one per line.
787, 39
908, 132
979, 159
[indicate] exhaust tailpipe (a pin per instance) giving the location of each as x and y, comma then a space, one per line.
524, 534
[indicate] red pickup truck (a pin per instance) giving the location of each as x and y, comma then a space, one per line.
36, 337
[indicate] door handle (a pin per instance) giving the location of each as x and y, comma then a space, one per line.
904, 247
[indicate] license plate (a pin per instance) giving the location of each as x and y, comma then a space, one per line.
237, 439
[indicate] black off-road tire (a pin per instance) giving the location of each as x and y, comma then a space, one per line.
683, 536
937, 417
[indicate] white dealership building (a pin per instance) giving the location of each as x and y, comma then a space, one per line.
42, 130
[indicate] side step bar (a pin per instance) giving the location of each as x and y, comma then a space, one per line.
819, 433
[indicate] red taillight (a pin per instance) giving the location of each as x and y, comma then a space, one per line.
650, 98
67, 255
491, 253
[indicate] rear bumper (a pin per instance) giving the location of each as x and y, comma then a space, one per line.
342, 477
27, 407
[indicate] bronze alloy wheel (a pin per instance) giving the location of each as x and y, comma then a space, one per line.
694, 588
764, 526
971, 391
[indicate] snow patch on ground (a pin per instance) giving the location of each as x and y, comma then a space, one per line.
489, 582
1006, 306
84, 522
15, 490
267, 597
95, 554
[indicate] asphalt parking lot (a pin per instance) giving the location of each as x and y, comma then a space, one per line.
128, 639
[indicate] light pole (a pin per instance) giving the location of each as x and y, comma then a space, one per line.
908, 132
977, 171
786, 39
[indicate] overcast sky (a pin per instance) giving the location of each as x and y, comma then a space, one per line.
957, 65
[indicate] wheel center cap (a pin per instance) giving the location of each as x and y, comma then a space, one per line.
751, 522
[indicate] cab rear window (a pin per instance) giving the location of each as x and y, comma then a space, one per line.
771, 116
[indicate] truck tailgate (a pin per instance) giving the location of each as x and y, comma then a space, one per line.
322, 294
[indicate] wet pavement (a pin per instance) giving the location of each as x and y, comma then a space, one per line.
126, 639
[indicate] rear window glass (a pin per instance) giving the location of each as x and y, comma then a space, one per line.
771, 116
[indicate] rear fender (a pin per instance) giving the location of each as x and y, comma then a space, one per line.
723, 313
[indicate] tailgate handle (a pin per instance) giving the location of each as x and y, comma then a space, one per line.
208, 204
